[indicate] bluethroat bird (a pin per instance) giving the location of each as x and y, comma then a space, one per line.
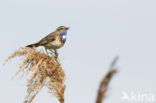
53, 41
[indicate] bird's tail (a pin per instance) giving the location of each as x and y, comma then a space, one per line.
33, 45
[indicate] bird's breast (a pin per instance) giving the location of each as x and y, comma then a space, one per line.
56, 44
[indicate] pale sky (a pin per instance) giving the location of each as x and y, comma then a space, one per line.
99, 30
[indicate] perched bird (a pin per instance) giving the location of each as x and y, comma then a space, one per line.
53, 41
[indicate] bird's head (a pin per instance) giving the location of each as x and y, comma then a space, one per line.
63, 33
62, 28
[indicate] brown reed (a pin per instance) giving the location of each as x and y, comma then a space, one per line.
43, 70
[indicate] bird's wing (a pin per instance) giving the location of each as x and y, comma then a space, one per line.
49, 38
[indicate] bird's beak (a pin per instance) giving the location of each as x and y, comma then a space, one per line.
68, 28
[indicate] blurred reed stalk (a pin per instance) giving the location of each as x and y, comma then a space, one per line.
105, 82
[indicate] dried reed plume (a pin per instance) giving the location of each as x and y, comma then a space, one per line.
43, 70
106, 80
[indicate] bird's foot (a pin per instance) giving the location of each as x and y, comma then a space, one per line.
56, 55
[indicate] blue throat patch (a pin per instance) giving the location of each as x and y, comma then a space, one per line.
63, 36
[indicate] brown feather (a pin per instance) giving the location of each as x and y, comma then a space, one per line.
49, 38
33, 45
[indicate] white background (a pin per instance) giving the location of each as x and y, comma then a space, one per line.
99, 30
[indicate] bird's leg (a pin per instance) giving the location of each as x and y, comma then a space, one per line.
52, 51
56, 53
46, 51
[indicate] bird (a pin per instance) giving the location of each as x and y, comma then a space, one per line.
53, 41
